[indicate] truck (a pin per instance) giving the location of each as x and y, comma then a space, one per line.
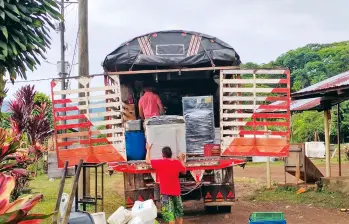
246, 120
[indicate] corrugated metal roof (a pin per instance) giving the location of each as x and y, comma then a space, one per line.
335, 81
296, 105
341, 80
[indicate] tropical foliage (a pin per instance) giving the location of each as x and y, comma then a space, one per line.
17, 211
24, 35
41, 98
309, 65
29, 118
315, 62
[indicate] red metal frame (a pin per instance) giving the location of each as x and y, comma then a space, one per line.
129, 167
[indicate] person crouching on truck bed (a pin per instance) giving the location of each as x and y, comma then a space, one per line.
149, 104
167, 171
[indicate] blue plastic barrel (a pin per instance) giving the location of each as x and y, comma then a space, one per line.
135, 145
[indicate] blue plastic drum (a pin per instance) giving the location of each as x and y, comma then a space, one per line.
135, 145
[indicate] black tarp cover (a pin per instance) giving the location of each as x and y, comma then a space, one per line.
171, 49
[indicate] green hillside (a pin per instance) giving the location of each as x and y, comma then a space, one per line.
308, 65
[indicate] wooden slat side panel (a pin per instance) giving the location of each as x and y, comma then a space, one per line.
98, 131
247, 99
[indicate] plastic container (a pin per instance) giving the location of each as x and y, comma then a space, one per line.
136, 220
146, 210
133, 125
99, 218
166, 131
80, 218
120, 216
135, 145
267, 218
268, 222
64, 203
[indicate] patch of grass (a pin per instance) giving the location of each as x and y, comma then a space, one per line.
245, 180
317, 162
113, 193
288, 194
260, 164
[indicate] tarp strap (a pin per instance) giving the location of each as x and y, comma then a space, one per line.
212, 64
134, 61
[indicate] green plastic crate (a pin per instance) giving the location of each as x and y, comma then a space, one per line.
267, 216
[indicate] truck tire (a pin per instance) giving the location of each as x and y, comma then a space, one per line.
224, 209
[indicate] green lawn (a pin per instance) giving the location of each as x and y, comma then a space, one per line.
314, 197
317, 162
113, 188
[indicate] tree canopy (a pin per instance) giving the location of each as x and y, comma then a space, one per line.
315, 62
309, 65
24, 34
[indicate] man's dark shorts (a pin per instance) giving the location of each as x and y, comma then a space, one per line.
171, 207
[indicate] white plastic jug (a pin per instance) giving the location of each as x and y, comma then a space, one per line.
120, 216
99, 218
64, 203
146, 210
136, 220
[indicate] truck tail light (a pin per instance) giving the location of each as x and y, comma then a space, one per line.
208, 197
230, 195
219, 196
129, 202
140, 198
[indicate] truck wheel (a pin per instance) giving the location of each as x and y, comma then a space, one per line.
224, 209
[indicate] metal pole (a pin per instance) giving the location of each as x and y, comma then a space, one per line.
327, 143
339, 139
63, 73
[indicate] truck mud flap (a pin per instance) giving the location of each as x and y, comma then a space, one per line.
218, 193
138, 195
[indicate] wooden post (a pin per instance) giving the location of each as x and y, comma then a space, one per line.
83, 71
339, 139
60, 192
298, 171
268, 161
72, 193
327, 142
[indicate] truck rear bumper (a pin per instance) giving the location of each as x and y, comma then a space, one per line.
223, 203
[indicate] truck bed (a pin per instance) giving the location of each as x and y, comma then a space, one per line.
203, 163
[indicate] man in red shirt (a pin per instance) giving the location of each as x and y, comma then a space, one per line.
150, 104
167, 171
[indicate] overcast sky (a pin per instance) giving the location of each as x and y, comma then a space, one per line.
259, 30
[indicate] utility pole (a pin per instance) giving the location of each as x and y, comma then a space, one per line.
83, 71
63, 73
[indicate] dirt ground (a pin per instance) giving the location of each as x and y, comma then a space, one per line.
248, 180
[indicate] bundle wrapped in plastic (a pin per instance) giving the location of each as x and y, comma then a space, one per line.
199, 120
166, 119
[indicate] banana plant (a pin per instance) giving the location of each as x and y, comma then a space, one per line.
17, 211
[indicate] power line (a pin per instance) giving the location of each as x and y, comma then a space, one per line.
33, 80
74, 54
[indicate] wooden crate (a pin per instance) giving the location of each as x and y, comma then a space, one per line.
129, 112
